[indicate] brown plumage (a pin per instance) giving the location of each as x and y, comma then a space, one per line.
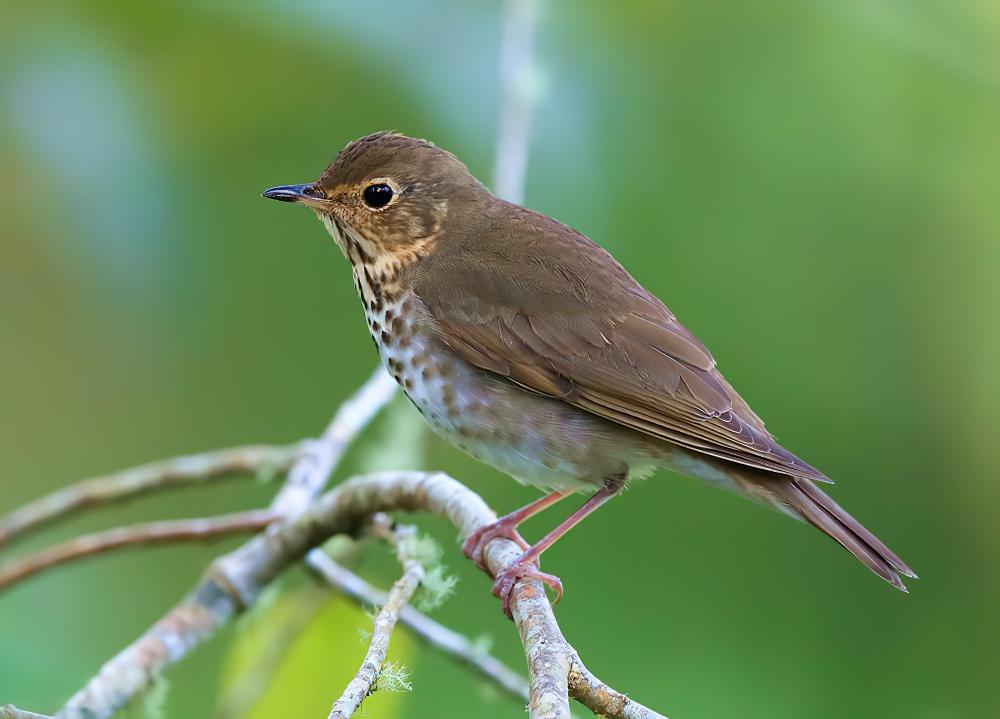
571, 363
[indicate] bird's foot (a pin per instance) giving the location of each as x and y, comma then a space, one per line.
474, 545
503, 585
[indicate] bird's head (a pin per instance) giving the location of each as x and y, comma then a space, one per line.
385, 197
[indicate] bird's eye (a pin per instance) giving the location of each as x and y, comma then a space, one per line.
377, 195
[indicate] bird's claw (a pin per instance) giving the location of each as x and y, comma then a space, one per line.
474, 546
503, 585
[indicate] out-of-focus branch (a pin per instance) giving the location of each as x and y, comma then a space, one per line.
180, 530
12, 712
235, 583
403, 589
128, 483
518, 79
434, 634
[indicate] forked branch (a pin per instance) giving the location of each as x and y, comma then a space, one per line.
236, 582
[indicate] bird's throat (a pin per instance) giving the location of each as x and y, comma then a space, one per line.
377, 271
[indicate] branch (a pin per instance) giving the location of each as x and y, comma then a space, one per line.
180, 530
217, 598
312, 471
599, 697
363, 683
308, 463
128, 483
436, 635
518, 79
12, 712
236, 580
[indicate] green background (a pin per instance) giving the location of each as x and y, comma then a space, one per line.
811, 186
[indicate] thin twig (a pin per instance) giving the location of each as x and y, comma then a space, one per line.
128, 483
179, 530
434, 634
363, 682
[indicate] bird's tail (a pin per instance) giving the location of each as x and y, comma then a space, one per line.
801, 498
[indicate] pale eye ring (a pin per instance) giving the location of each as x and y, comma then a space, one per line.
377, 195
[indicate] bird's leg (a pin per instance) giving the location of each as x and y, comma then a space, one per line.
504, 583
474, 545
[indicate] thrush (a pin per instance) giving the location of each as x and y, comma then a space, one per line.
526, 345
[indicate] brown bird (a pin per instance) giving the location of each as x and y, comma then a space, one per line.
528, 346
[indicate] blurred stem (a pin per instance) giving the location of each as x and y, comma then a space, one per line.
518, 78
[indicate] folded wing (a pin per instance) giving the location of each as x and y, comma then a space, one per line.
545, 307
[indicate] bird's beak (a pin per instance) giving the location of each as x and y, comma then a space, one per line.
308, 194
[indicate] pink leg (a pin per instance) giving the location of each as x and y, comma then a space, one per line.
506, 527
525, 566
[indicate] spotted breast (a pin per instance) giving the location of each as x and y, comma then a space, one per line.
537, 440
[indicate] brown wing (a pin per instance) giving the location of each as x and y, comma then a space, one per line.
545, 307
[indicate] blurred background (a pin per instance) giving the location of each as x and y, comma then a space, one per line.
812, 187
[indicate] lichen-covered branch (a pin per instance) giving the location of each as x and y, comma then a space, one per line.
111, 488
436, 635
179, 530
403, 589
236, 583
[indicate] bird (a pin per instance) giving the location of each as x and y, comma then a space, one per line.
528, 346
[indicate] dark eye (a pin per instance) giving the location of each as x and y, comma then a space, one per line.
377, 196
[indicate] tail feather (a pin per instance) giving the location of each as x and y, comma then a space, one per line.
807, 500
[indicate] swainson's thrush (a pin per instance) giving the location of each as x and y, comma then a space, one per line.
529, 347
